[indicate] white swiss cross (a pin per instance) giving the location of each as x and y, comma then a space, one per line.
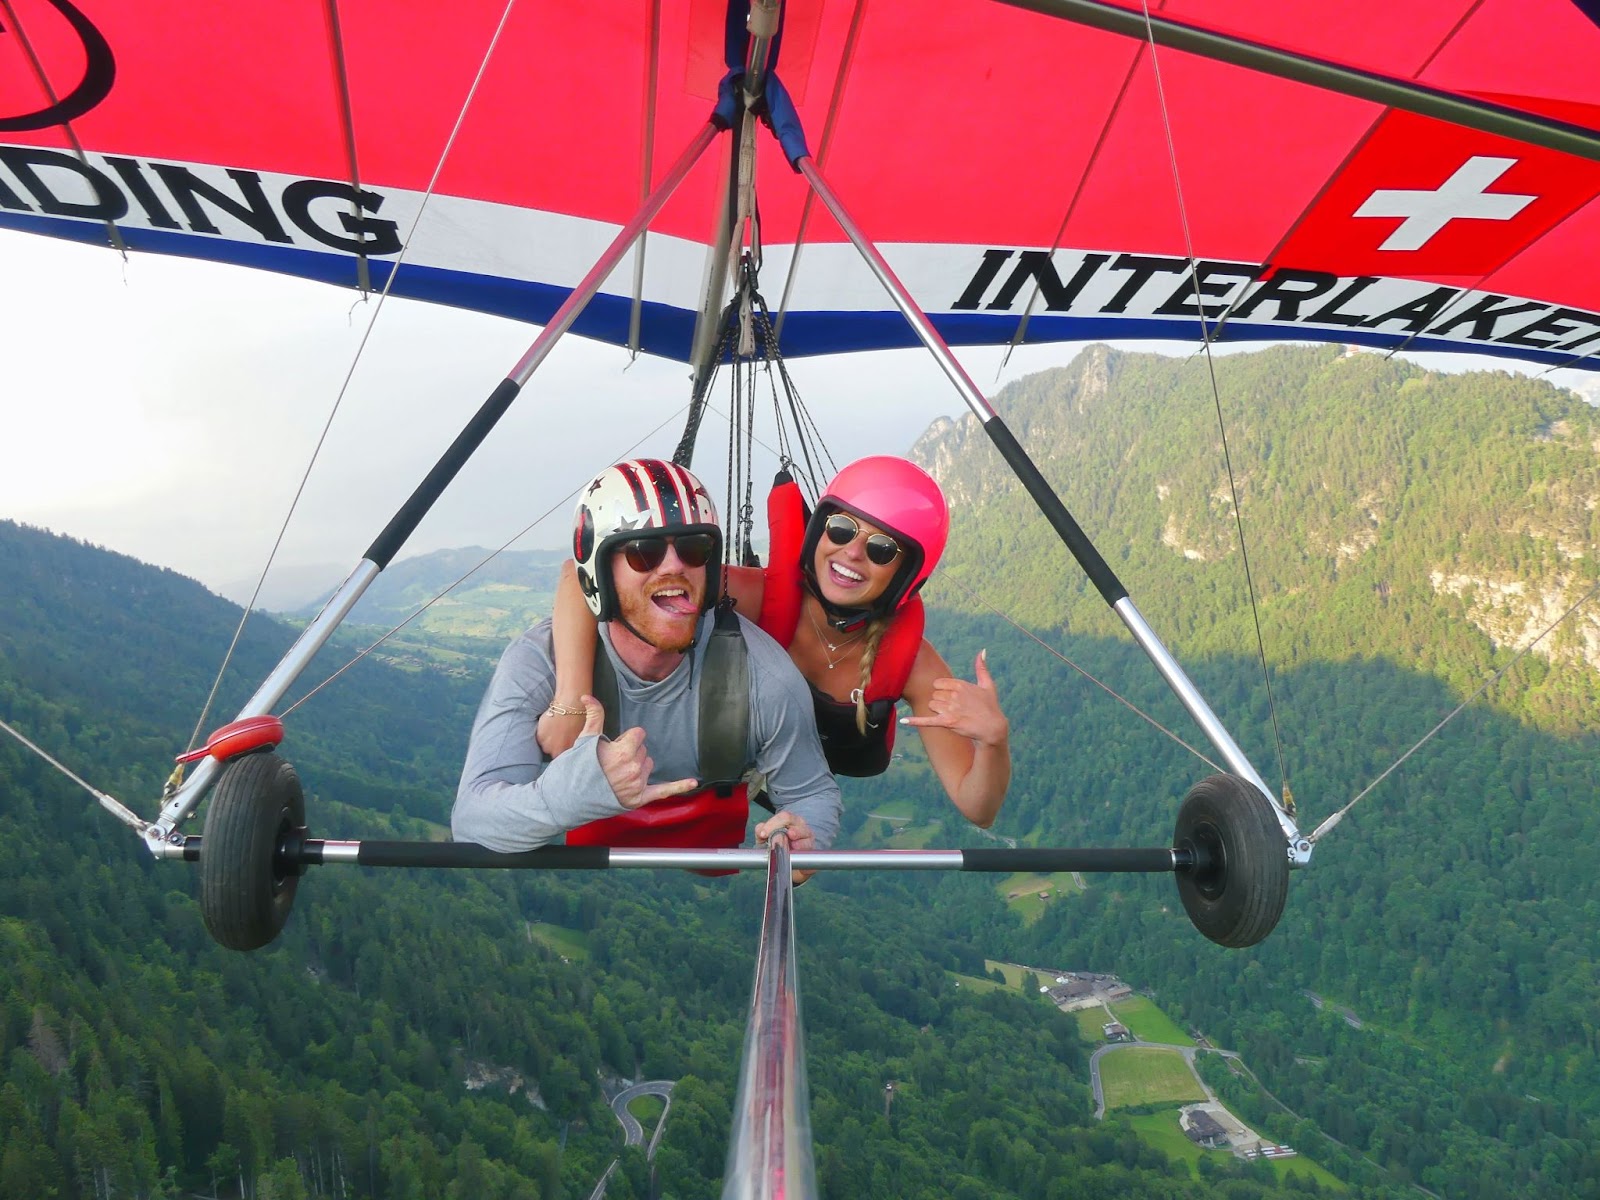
1462, 195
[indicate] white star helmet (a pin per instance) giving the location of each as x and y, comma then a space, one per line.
640, 498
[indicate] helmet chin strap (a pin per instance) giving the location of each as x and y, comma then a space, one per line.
839, 617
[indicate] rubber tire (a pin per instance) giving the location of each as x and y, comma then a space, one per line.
245, 894
1237, 898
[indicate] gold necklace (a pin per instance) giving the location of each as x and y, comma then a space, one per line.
831, 648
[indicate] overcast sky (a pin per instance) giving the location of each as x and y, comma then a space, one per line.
168, 409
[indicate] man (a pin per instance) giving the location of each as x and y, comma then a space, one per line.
648, 552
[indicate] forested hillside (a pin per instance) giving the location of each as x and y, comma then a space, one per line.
1454, 909
447, 593
1436, 521
451, 1034
422, 1034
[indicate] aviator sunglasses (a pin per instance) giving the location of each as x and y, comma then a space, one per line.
646, 554
842, 529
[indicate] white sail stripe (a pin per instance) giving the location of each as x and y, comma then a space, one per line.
475, 237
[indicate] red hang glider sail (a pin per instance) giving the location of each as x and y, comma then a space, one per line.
1028, 176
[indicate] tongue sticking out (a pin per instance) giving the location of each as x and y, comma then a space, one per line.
677, 603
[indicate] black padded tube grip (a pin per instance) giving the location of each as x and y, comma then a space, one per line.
1047, 861
469, 439
470, 854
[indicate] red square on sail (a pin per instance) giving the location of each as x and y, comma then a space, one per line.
1421, 198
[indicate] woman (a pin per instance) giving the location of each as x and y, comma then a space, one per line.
845, 604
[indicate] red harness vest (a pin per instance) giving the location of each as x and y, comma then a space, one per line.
782, 596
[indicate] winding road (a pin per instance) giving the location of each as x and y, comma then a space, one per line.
632, 1131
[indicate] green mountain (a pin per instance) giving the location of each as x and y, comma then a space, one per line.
423, 1034
448, 1034
470, 592
1407, 532
1389, 512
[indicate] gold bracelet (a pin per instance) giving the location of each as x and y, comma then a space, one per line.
557, 709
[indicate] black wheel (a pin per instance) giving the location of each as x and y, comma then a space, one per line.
245, 890
1236, 890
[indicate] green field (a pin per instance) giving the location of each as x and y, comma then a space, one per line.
915, 837
647, 1111
568, 943
1091, 1023
971, 983
1147, 1076
1011, 971
1025, 893
1304, 1167
1161, 1131
1149, 1023
895, 810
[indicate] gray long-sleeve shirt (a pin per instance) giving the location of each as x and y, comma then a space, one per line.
512, 798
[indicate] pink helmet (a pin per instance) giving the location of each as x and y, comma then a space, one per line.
901, 498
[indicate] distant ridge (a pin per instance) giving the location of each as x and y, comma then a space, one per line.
501, 594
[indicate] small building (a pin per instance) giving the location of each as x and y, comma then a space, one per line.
1116, 1031
1202, 1129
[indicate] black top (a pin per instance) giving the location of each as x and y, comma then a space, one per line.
848, 750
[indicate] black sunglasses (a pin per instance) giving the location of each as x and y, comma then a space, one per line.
646, 554
842, 529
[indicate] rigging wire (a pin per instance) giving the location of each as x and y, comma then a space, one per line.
112, 805
344, 387
1020, 334
947, 577
1334, 820
490, 557
835, 105
802, 414
1216, 397
42, 77
1356, 148
130, 818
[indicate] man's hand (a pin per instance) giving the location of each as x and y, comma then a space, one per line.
626, 765
793, 826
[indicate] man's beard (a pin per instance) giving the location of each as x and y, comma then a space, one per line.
655, 627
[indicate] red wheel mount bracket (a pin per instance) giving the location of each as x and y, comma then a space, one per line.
239, 737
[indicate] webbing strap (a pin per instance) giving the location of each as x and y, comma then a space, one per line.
724, 702
607, 692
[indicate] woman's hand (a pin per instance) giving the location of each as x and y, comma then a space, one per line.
969, 709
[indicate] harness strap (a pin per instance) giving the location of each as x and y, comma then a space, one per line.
724, 736
725, 705
607, 692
